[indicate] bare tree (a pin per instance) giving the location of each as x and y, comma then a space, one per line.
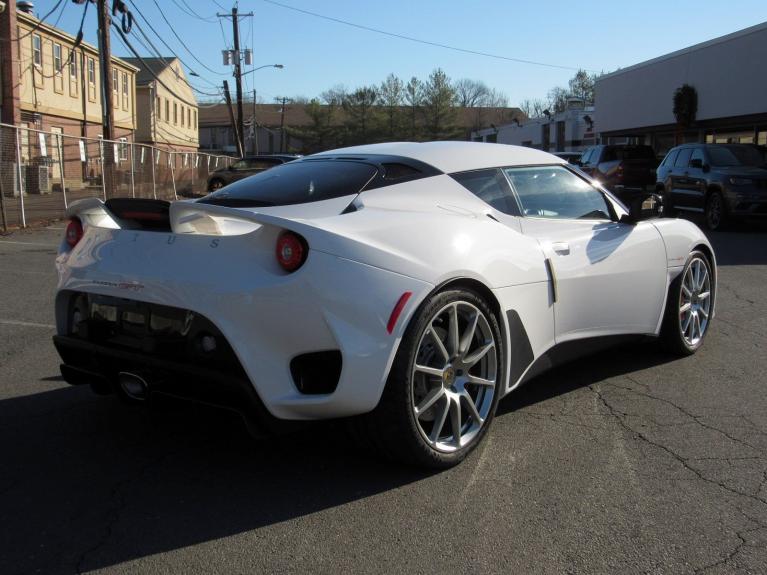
557, 100
582, 85
391, 95
533, 108
470, 93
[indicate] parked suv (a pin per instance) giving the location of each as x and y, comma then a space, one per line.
723, 181
244, 168
624, 169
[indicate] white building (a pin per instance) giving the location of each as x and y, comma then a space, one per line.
568, 131
729, 75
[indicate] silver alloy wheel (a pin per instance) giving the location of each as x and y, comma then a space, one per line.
454, 376
714, 212
695, 302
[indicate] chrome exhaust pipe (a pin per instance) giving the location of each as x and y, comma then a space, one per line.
133, 385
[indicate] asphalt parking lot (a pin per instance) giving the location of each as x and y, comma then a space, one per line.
630, 461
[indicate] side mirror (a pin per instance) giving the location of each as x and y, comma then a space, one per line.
643, 207
698, 163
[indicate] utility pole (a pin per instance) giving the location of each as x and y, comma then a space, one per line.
255, 126
283, 146
237, 139
107, 103
235, 16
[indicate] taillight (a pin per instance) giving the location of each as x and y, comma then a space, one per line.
74, 232
291, 251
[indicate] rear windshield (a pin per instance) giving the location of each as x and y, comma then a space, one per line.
629, 153
734, 156
296, 183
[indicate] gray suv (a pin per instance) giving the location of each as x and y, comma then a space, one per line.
722, 181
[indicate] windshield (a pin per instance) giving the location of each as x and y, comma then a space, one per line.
296, 183
734, 156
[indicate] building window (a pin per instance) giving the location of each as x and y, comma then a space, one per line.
126, 90
158, 108
167, 110
73, 66
189, 117
195, 117
182, 115
91, 71
115, 81
57, 58
37, 50
123, 149
175, 113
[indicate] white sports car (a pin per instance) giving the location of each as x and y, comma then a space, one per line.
409, 284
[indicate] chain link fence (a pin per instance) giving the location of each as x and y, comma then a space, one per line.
41, 173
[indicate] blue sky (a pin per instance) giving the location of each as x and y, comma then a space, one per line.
319, 54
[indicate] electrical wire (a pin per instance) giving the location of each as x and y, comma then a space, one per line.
36, 27
419, 40
173, 30
191, 12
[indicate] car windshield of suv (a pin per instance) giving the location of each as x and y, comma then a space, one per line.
296, 183
734, 156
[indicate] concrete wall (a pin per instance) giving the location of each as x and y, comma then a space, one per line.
728, 73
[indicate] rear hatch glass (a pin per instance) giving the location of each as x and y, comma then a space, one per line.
296, 183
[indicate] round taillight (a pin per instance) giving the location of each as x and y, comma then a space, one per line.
74, 232
291, 251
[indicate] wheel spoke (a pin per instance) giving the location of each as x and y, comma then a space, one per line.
704, 312
704, 295
684, 308
452, 333
686, 323
472, 360
430, 399
472, 407
686, 290
439, 344
468, 335
455, 421
695, 326
439, 423
436, 372
479, 381
703, 278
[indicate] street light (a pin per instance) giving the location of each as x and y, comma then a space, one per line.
280, 66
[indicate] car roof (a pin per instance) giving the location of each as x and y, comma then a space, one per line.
452, 157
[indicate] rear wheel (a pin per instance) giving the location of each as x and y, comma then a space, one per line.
444, 385
715, 212
688, 307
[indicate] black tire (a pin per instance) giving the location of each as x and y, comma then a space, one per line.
672, 337
716, 212
391, 428
215, 184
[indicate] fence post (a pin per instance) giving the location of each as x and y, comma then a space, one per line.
103, 169
132, 179
173, 173
60, 149
154, 185
21, 181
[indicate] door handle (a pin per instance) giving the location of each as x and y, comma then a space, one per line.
562, 248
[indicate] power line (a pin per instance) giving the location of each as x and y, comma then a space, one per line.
419, 40
191, 12
172, 29
36, 27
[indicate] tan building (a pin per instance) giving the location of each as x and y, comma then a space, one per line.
60, 91
166, 105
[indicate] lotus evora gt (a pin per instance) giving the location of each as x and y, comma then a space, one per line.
405, 286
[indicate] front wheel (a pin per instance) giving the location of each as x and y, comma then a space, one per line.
215, 184
689, 306
444, 385
715, 212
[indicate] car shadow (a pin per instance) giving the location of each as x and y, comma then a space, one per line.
89, 483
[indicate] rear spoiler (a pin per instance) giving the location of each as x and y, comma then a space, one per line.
182, 217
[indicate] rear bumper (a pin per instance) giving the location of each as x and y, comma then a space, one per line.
89, 363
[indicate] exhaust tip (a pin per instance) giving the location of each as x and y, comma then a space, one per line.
133, 385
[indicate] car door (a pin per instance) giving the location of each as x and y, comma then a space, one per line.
609, 277
680, 182
696, 179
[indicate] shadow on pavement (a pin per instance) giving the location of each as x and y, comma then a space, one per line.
89, 483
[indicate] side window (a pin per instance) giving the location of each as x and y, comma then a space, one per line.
241, 165
555, 192
491, 187
586, 155
697, 154
610, 155
670, 158
683, 158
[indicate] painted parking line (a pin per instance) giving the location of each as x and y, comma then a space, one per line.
26, 324
52, 246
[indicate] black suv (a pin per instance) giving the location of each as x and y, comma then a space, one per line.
246, 167
624, 169
723, 181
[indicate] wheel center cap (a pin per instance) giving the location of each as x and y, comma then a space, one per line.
448, 376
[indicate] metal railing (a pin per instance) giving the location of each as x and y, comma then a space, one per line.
41, 173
